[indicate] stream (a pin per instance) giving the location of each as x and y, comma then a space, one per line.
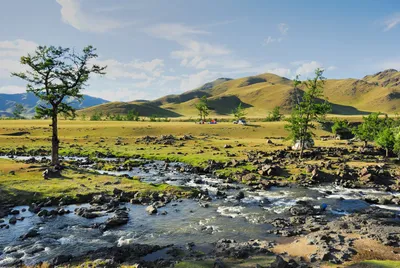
185, 221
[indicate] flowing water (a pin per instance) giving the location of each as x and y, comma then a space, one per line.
186, 221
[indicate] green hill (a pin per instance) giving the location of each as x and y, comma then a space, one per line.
260, 94
113, 108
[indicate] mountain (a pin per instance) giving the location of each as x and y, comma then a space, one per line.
30, 101
261, 93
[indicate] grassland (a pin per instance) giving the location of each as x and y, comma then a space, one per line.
91, 138
88, 138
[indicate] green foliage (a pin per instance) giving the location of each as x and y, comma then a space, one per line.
96, 117
275, 115
55, 74
372, 124
396, 147
83, 117
386, 139
153, 118
202, 108
118, 117
340, 126
132, 115
307, 110
18, 111
239, 113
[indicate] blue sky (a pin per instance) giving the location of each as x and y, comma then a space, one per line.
154, 48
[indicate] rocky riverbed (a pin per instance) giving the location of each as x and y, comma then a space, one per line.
225, 218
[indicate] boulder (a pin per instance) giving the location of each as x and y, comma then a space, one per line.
151, 210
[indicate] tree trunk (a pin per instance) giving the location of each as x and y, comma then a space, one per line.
387, 152
54, 140
301, 148
365, 144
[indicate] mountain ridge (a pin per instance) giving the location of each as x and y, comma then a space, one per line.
30, 101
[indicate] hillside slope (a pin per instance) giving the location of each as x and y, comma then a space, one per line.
114, 108
260, 94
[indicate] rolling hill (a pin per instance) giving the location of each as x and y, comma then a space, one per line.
259, 94
30, 101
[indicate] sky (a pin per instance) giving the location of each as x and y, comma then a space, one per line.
157, 47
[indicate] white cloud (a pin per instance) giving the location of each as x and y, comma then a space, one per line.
16, 48
195, 54
73, 15
10, 53
197, 79
271, 40
284, 72
12, 89
172, 31
391, 22
120, 94
137, 69
283, 28
305, 68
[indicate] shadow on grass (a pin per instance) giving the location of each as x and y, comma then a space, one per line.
253, 125
17, 197
16, 134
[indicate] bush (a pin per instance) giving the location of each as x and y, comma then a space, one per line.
275, 115
96, 117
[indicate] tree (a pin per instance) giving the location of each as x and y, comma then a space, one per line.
307, 109
202, 108
55, 74
275, 115
386, 139
239, 113
132, 115
370, 127
340, 126
18, 110
396, 147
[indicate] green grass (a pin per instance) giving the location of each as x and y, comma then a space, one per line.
28, 185
229, 263
377, 264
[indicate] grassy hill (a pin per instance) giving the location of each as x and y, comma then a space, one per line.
260, 94
113, 108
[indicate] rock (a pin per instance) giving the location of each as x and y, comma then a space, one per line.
31, 233
43, 213
239, 195
121, 217
228, 146
12, 220
279, 263
14, 212
151, 210
219, 264
301, 209
86, 213
61, 259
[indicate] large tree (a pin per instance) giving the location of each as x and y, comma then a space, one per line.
308, 109
55, 74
